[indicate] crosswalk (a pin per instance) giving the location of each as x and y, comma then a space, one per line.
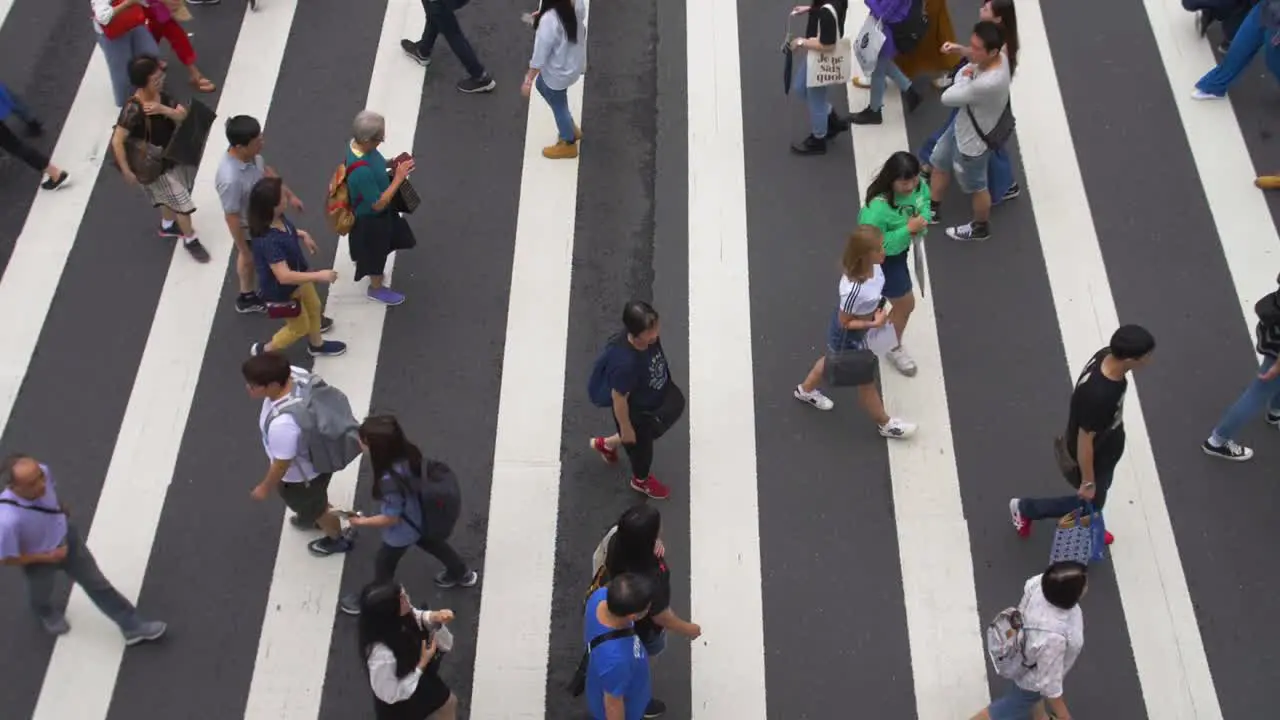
833, 574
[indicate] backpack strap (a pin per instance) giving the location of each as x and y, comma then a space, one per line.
37, 508
616, 634
346, 175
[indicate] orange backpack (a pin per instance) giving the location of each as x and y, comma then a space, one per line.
339, 209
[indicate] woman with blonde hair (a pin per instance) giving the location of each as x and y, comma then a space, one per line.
861, 309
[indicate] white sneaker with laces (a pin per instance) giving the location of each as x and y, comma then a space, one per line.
897, 429
813, 397
902, 362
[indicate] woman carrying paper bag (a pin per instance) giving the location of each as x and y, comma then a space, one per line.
826, 64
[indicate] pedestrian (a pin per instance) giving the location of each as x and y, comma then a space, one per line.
634, 547
618, 685
897, 204
927, 59
1260, 31
406, 484
286, 283
1229, 13
162, 24
1052, 631
981, 93
1263, 393
889, 13
401, 648
148, 120
823, 29
860, 310
291, 472
378, 230
129, 39
12, 105
1094, 441
239, 170
37, 535
632, 377
442, 20
1000, 181
559, 60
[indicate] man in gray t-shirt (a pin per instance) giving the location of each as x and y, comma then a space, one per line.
240, 169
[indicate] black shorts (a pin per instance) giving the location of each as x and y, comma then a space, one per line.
310, 500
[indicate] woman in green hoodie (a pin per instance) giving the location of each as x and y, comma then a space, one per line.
897, 203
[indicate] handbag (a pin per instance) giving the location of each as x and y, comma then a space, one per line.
186, 147
1079, 537
824, 68
406, 199
286, 310
146, 161
124, 21
1067, 465
870, 41
851, 367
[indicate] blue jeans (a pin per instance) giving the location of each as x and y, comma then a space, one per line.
119, 52
1017, 704
885, 69
999, 168
1248, 40
817, 99
442, 21
1107, 451
559, 102
80, 566
1260, 393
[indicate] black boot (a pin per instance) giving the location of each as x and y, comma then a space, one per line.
867, 116
911, 99
810, 146
835, 125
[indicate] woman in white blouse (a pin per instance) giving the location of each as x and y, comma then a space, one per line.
135, 42
1054, 628
401, 647
860, 310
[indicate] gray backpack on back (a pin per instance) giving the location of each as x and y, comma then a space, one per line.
330, 431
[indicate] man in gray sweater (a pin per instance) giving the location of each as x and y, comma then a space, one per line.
981, 91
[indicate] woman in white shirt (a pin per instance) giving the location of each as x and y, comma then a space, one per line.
559, 60
860, 310
400, 645
1054, 628
135, 41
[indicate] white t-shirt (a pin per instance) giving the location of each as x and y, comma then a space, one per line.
862, 298
282, 442
1055, 643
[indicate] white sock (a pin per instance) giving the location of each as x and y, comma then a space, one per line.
189, 240
167, 224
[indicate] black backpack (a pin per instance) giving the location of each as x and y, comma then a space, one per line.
1268, 308
439, 496
908, 33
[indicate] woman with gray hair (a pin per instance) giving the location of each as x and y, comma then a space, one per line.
372, 186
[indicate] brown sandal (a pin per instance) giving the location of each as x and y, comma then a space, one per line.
204, 85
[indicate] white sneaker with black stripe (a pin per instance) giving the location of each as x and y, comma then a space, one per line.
813, 397
897, 429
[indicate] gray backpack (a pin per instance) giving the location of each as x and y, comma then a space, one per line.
330, 431
1007, 642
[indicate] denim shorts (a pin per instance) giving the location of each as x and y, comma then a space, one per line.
839, 338
897, 276
656, 644
970, 172
1016, 704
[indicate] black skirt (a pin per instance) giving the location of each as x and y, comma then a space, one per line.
374, 237
430, 696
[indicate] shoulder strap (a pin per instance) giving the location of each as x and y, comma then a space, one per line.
37, 508
617, 634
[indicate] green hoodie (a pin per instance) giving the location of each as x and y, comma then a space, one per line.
892, 219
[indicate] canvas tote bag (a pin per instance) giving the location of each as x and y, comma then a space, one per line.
834, 67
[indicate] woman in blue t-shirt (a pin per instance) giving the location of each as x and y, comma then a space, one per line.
285, 282
401, 471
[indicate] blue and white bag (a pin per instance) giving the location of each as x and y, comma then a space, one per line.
1079, 537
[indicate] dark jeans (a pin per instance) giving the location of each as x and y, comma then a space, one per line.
442, 21
384, 566
80, 566
651, 425
1106, 456
12, 144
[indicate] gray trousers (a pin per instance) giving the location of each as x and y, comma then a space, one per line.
119, 52
80, 566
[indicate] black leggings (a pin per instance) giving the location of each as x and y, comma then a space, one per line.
651, 425
384, 566
14, 145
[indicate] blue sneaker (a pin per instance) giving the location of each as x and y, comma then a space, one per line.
330, 546
328, 348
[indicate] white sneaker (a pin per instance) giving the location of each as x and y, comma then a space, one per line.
1198, 94
897, 429
902, 362
814, 397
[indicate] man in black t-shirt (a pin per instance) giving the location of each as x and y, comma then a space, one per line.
1095, 428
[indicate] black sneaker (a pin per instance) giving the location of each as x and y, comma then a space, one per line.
442, 580
483, 84
34, 128
969, 232
1229, 450
328, 348
867, 116
655, 709
835, 125
1014, 191
330, 546
410, 48
197, 251
349, 604
250, 303
326, 324
1273, 418
911, 99
810, 146
935, 210
55, 183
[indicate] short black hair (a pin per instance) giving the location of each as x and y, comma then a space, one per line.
1131, 342
267, 368
1063, 583
242, 130
990, 34
638, 316
142, 68
629, 594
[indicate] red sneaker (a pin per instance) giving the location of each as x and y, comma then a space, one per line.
609, 456
1020, 524
1107, 537
651, 487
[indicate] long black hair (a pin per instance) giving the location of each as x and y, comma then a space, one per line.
568, 16
381, 622
1007, 16
264, 198
631, 549
388, 448
901, 165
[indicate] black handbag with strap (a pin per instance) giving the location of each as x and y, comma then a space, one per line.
997, 136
